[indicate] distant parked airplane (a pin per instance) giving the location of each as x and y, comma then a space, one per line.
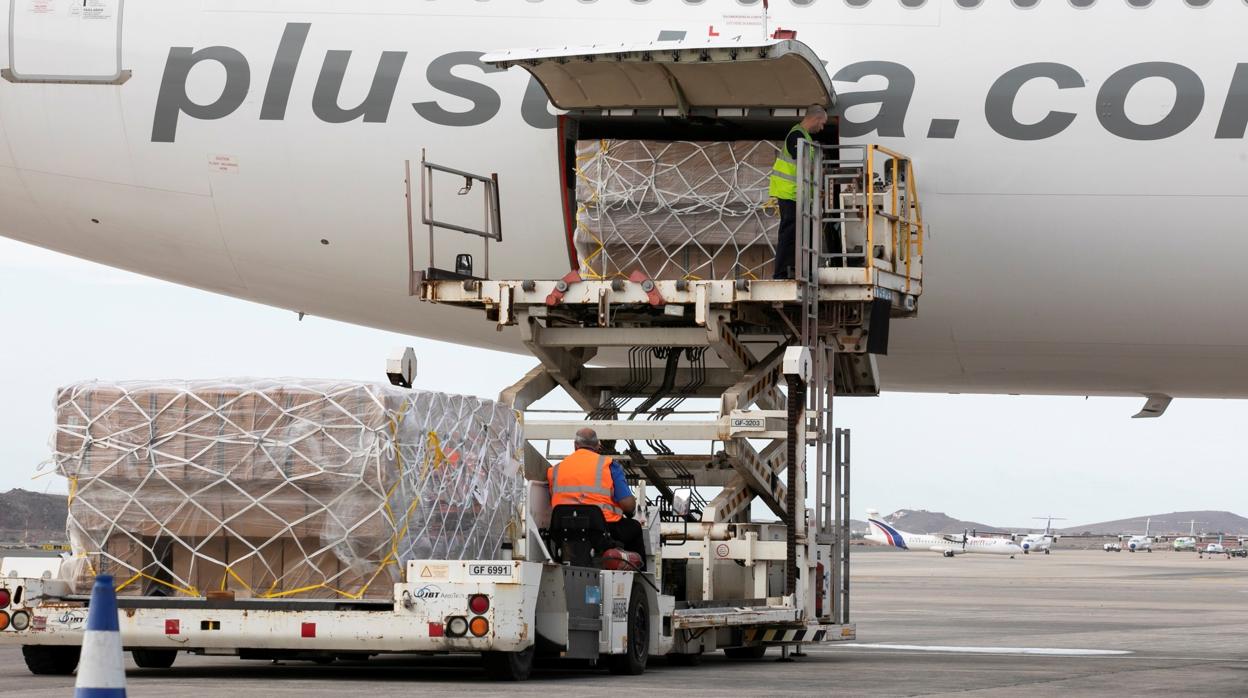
1190, 541
1141, 543
1184, 543
947, 545
1041, 541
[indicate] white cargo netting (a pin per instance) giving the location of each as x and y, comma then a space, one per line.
280, 488
675, 209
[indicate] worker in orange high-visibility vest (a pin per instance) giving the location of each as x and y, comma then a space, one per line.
586, 477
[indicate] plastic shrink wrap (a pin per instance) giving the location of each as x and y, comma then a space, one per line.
675, 210
280, 488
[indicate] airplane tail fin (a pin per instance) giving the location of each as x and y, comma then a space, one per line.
882, 532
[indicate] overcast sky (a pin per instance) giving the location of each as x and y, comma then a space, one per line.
998, 460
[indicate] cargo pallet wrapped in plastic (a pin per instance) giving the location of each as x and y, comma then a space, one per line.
280, 488
675, 209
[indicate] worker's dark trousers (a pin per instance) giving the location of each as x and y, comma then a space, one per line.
629, 534
784, 245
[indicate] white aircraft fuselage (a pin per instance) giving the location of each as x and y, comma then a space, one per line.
949, 546
1081, 170
1037, 543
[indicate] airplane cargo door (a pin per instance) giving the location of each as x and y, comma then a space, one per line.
65, 41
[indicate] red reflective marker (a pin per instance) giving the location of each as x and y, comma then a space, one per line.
307, 630
436, 630
173, 626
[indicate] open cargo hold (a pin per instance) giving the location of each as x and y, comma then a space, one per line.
675, 209
280, 489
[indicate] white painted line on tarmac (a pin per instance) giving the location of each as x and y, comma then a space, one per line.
1047, 651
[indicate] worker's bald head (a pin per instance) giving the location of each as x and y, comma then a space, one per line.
816, 118
587, 438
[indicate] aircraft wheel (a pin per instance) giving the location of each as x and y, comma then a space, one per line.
1047, 551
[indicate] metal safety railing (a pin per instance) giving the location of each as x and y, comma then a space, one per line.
904, 214
851, 191
491, 228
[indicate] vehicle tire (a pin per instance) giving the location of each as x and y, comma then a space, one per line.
637, 643
756, 652
51, 660
154, 659
509, 666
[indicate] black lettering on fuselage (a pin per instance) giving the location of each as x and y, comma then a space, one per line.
894, 100
172, 101
375, 109
1111, 101
485, 101
999, 105
535, 108
1235, 114
282, 76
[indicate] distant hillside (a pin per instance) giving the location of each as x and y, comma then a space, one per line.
1167, 524
31, 517
923, 521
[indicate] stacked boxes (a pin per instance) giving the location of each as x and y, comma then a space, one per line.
675, 209
274, 489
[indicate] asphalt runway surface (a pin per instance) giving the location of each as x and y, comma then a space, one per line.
1072, 623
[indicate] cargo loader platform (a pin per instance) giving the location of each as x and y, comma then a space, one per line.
664, 308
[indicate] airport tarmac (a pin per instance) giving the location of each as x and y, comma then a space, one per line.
1072, 623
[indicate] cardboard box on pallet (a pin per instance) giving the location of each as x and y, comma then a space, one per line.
675, 209
117, 433
251, 568
295, 488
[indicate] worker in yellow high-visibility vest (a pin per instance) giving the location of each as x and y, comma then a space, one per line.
783, 186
